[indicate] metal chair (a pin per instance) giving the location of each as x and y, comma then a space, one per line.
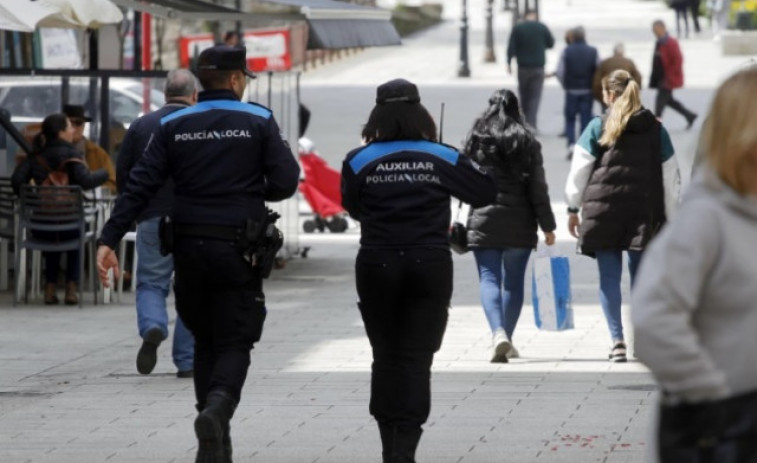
7, 229
54, 209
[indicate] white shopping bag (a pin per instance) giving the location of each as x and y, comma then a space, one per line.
550, 290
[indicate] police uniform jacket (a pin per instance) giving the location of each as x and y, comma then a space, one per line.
134, 144
226, 159
400, 191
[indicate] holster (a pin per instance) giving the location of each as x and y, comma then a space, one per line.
166, 233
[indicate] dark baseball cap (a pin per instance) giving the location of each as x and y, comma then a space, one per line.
397, 90
224, 58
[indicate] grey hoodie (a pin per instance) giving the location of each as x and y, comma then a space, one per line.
694, 306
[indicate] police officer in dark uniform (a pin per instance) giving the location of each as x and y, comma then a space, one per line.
226, 158
398, 186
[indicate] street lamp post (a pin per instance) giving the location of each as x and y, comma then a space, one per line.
489, 45
463, 70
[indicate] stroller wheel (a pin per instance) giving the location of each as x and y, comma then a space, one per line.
309, 226
337, 225
320, 224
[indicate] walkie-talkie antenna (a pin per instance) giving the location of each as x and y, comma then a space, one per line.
441, 124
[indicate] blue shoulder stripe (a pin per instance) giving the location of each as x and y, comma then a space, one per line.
378, 150
229, 105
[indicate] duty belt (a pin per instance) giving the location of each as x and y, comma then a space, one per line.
216, 232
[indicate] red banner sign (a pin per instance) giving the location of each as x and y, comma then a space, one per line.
267, 50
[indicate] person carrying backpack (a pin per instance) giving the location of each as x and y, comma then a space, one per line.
55, 161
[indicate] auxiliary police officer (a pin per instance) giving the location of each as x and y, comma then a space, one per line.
398, 186
226, 158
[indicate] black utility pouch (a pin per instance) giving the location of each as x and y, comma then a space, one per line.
166, 235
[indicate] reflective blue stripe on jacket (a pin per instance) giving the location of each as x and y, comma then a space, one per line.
226, 159
400, 191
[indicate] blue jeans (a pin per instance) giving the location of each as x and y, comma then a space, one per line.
502, 274
153, 285
577, 105
610, 263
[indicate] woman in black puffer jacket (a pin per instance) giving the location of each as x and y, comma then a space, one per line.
503, 234
52, 148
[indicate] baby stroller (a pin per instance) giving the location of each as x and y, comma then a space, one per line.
321, 189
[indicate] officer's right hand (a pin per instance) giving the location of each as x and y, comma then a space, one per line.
106, 260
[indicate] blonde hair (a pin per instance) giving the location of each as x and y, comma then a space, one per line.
729, 136
627, 102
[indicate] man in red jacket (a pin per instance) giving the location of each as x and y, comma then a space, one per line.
667, 73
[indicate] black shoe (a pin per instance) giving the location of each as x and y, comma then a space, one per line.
690, 120
211, 428
147, 356
185, 374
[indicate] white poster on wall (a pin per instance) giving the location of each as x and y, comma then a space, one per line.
59, 49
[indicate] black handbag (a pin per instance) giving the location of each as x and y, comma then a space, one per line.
721, 431
458, 234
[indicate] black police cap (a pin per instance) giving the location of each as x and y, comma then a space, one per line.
224, 58
397, 90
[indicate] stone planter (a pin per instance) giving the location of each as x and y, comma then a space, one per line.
739, 42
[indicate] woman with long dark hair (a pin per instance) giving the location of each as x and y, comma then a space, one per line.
53, 151
624, 180
398, 186
503, 234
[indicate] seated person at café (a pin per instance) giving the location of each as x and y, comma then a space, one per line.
52, 147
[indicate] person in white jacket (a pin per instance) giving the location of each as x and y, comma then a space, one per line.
694, 307
624, 181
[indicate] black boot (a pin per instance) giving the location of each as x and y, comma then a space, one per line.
406, 440
211, 428
387, 442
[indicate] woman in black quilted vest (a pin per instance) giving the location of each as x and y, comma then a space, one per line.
53, 151
503, 234
624, 181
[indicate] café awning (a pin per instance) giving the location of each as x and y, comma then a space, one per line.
333, 24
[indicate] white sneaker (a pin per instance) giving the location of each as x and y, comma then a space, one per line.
513, 353
501, 346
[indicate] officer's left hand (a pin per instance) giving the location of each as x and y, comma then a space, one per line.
106, 260
549, 238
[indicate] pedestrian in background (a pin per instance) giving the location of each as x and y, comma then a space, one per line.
694, 7
503, 234
617, 61
528, 44
576, 69
154, 270
398, 187
52, 150
624, 180
95, 156
221, 184
693, 310
667, 73
681, 8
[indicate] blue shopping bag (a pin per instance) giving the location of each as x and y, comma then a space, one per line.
550, 291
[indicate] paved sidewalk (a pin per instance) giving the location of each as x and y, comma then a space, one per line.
69, 392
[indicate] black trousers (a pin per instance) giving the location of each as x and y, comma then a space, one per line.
665, 98
220, 299
404, 300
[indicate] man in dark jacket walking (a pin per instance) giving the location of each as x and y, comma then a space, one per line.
528, 44
667, 73
576, 69
153, 269
226, 158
